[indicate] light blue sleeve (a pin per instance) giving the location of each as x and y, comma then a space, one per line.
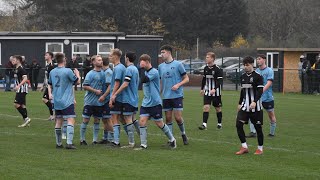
117, 74
87, 80
159, 71
72, 77
129, 72
153, 75
270, 76
181, 69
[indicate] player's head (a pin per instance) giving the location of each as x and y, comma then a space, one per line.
74, 57
48, 56
145, 61
16, 60
210, 57
105, 61
261, 60
88, 57
60, 58
115, 55
248, 64
97, 61
130, 57
166, 52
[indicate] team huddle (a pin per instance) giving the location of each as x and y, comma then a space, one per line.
112, 96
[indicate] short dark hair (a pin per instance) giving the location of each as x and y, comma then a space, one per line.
59, 58
131, 56
212, 54
18, 57
50, 54
167, 48
105, 61
262, 56
248, 60
145, 57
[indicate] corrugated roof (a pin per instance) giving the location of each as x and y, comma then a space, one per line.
61, 33
290, 49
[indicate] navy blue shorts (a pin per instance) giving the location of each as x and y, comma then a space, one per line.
128, 109
106, 111
95, 111
66, 113
117, 108
173, 104
268, 106
154, 113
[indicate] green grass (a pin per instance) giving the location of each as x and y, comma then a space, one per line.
29, 153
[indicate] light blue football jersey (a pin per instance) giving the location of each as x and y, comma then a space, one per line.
62, 80
108, 74
171, 74
130, 94
151, 89
118, 75
96, 80
268, 75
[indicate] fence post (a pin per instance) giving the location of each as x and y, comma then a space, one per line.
237, 79
190, 65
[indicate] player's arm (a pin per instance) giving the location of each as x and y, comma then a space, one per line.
185, 77
124, 85
105, 94
203, 83
266, 87
258, 93
24, 80
50, 88
89, 88
241, 98
115, 87
77, 81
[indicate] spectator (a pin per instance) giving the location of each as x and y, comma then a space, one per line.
316, 72
87, 66
307, 76
300, 68
35, 69
9, 74
73, 64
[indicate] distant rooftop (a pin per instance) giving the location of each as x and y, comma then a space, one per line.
290, 49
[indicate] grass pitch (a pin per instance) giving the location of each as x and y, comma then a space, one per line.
29, 153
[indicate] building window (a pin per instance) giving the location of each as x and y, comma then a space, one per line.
273, 60
81, 50
54, 47
104, 49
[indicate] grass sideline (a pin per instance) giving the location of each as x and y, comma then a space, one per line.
29, 153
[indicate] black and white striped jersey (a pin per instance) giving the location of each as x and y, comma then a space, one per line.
48, 68
19, 74
212, 79
251, 91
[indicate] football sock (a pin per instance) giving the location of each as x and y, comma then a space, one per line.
143, 135
116, 131
49, 105
252, 129
170, 125
70, 132
64, 128
58, 136
96, 128
25, 113
167, 132
259, 134
110, 136
260, 148
273, 126
244, 145
219, 116
205, 117
137, 126
240, 132
83, 130
182, 129
125, 128
21, 111
105, 134
130, 128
